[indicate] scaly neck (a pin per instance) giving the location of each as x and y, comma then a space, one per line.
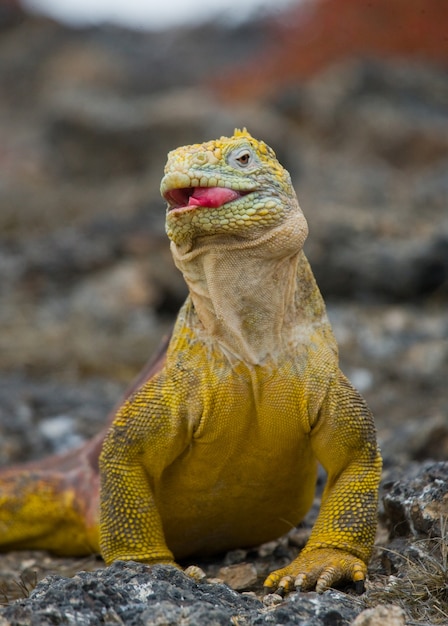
245, 292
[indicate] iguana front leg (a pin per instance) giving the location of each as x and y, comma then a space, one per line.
340, 545
144, 439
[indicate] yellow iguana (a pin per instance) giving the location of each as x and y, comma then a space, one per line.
218, 447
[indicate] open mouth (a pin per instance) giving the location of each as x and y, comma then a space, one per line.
211, 197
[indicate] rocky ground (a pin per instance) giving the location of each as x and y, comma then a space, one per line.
87, 288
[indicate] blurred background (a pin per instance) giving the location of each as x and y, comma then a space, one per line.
353, 97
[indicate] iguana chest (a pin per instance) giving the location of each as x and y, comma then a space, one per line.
248, 472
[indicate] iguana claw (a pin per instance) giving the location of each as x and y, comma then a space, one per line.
320, 569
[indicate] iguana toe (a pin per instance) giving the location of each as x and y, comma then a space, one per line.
319, 568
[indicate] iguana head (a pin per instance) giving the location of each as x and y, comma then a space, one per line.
230, 186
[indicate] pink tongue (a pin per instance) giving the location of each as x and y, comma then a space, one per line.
212, 196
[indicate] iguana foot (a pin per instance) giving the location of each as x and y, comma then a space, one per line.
320, 568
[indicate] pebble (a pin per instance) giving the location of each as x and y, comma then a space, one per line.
239, 577
381, 615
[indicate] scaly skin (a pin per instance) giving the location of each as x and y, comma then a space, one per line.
218, 449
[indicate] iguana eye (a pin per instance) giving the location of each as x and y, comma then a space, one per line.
242, 158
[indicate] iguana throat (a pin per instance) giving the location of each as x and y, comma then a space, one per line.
249, 311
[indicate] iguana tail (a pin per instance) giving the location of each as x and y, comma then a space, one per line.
53, 504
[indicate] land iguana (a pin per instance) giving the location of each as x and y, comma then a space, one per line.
218, 446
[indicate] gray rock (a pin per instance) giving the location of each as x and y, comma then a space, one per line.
417, 504
138, 595
353, 263
394, 110
38, 418
95, 135
416, 441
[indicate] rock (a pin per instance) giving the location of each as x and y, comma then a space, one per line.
82, 63
38, 418
59, 431
413, 441
297, 537
95, 135
379, 122
135, 594
272, 599
268, 548
387, 267
376, 97
400, 553
240, 577
114, 292
382, 615
417, 504
435, 444
424, 360
234, 557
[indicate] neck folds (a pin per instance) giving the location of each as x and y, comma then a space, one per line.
244, 292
